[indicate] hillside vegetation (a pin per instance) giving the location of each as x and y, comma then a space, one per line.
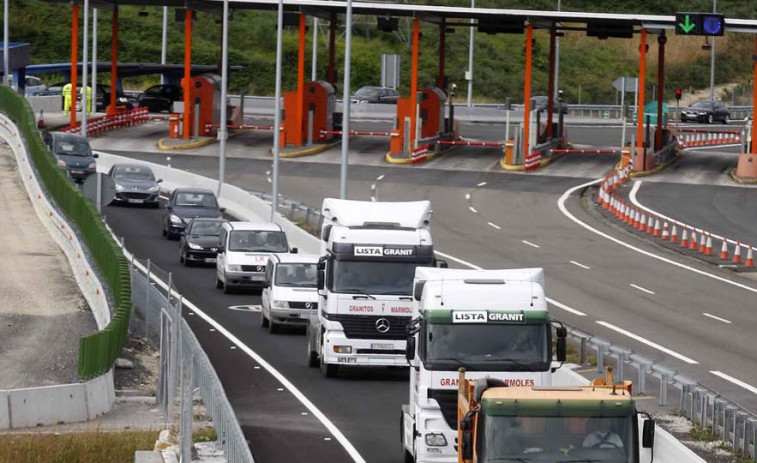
587, 62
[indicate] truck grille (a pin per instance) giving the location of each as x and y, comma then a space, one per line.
372, 327
447, 399
302, 305
253, 268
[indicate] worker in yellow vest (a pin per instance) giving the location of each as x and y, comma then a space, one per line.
89, 98
66, 91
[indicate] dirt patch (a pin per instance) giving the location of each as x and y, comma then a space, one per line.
143, 376
42, 312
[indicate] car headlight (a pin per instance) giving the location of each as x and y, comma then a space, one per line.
61, 163
234, 268
194, 246
91, 166
702, 113
435, 439
280, 304
175, 218
119, 188
153, 189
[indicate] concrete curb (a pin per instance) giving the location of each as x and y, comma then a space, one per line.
542, 163
307, 151
187, 146
393, 160
654, 170
743, 181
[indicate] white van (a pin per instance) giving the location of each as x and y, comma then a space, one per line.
243, 250
290, 295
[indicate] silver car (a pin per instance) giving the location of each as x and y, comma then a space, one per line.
135, 184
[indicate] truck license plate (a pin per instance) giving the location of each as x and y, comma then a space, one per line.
382, 346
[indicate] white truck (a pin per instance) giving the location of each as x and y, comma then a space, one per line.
493, 323
369, 253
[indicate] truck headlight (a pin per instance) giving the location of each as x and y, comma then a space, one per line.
194, 246
175, 218
235, 268
435, 439
342, 349
280, 304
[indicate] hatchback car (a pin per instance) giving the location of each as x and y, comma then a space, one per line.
135, 184
199, 242
290, 295
160, 97
369, 94
706, 111
34, 86
186, 204
72, 153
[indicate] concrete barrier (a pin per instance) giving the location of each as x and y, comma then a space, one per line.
69, 402
48, 103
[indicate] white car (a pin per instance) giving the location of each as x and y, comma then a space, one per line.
243, 251
290, 295
34, 86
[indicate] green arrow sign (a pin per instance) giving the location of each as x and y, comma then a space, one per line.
687, 25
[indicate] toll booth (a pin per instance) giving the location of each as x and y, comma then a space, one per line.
205, 95
318, 104
431, 117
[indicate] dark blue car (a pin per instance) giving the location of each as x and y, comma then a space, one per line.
186, 204
72, 153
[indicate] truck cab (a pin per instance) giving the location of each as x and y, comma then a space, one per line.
369, 253
494, 323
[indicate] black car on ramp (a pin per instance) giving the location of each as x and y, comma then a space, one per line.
199, 242
706, 111
186, 204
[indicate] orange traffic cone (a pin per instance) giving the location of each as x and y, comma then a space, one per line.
630, 211
737, 253
685, 238
703, 243
749, 257
650, 224
665, 231
636, 219
656, 231
693, 242
724, 249
643, 221
708, 246
674, 234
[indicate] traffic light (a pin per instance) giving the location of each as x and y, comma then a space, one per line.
678, 94
710, 24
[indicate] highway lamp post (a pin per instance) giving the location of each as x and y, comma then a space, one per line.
84, 66
469, 74
164, 42
346, 102
277, 114
712, 58
314, 63
557, 55
222, 131
6, 67
94, 58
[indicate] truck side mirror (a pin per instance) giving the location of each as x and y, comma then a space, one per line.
466, 445
418, 290
320, 279
561, 349
410, 348
326, 233
647, 434
294, 250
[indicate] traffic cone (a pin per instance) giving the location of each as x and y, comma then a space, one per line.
737, 254
685, 238
702, 243
636, 219
708, 246
41, 121
724, 249
643, 221
665, 231
749, 257
674, 234
650, 224
656, 231
693, 242
629, 215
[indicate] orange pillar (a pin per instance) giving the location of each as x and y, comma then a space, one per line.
640, 108
111, 108
551, 80
442, 41
527, 92
74, 58
298, 141
414, 84
661, 40
186, 82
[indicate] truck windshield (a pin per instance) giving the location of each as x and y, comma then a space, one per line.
486, 347
558, 439
375, 278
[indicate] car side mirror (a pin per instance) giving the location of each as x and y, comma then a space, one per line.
294, 250
442, 263
160, 180
410, 348
647, 434
95, 155
222, 209
220, 250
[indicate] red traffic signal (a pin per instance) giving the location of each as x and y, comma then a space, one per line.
678, 94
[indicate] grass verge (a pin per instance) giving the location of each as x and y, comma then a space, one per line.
81, 447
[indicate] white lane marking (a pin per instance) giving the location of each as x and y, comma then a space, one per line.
476, 267
716, 318
473, 209
373, 187
531, 244
735, 381
641, 289
467, 195
380, 177
494, 225
481, 184
247, 308
351, 450
564, 210
648, 342
578, 264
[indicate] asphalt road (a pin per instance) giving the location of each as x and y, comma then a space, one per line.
658, 307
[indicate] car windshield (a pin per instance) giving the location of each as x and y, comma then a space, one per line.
557, 439
486, 346
296, 275
196, 200
368, 91
72, 148
258, 241
702, 105
375, 278
205, 227
154, 91
133, 172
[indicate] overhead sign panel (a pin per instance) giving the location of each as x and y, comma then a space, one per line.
710, 24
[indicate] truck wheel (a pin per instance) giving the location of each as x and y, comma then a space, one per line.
219, 283
263, 320
312, 355
273, 328
328, 370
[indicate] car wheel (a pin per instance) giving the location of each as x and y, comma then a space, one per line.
725, 119
710, 119
263, 320
227, 289
219, 283
312, 354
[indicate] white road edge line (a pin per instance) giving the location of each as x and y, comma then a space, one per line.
561, 205
476, 267
467, 195
473, 209
717, 318
648, 342
641, 289
735, 381
481, 184
494, 225
578, 264
351, 450
531, 244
